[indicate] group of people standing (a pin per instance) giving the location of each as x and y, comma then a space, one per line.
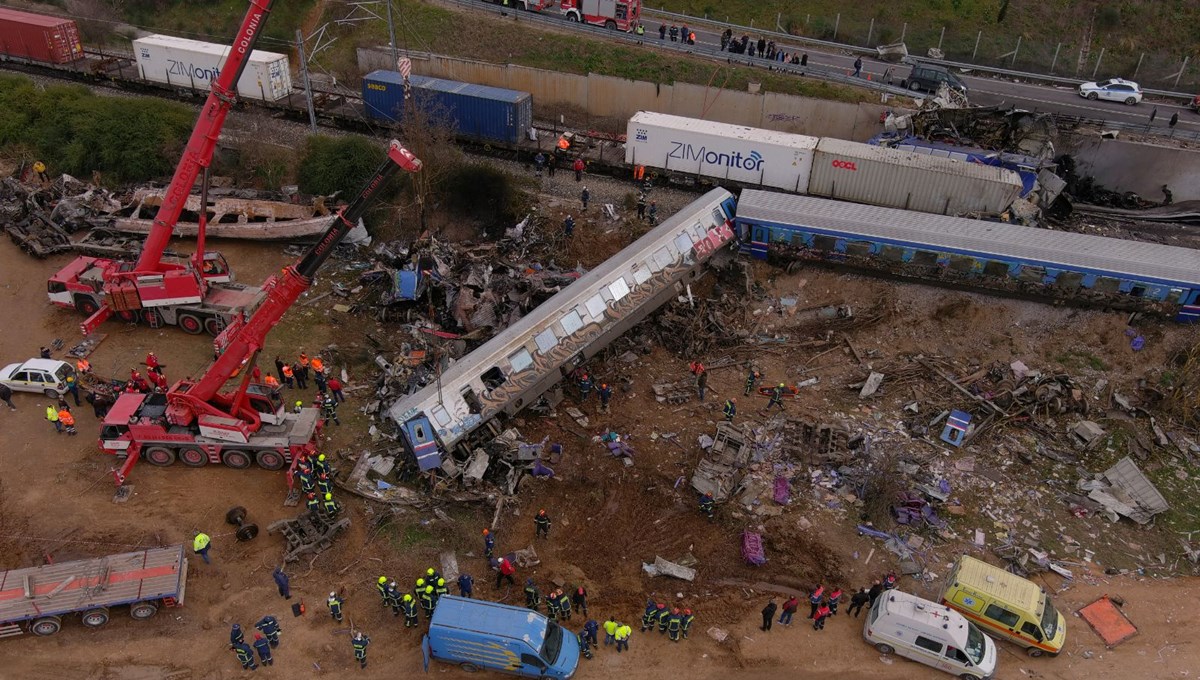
823, 603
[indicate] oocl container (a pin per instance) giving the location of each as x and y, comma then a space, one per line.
876, 175
37, 37
195, 64
475, 111
721, 151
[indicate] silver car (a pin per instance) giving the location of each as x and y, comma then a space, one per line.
1114, 90
48, 376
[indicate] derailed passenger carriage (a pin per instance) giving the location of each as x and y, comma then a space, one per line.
525, 361
1078, 268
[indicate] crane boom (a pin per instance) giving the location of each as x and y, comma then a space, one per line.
199, 151
243, 339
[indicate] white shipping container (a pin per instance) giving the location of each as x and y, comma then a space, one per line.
195, 64
751, 156
877, 175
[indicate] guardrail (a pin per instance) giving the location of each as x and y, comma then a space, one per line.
1063, 120
856, 49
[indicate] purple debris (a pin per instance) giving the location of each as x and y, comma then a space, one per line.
1137, 343
540, 470
752, 549
783, 490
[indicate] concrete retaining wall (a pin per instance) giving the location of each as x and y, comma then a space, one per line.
608, 97
1141, 168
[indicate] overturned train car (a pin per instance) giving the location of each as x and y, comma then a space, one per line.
1074, 268
516, 367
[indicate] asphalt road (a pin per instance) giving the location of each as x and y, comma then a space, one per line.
982, 91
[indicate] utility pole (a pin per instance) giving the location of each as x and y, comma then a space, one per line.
391, 32
308, 97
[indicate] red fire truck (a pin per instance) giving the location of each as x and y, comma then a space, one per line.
620, 15
196, 294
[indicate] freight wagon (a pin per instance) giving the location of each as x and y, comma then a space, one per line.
876, 175
1076, 268
731, 153
37, 37
849, 171
194, 65
37, 598
471, 111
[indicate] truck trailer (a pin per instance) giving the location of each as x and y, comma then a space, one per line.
481, 635
37, 598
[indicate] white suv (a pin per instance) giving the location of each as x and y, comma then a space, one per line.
1115, 90
47, 376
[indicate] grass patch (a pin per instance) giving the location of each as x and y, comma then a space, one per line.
1078, 358
217, 20
1162, 29
486, 37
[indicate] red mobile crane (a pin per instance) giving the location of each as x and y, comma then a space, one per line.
196, 423
157, 291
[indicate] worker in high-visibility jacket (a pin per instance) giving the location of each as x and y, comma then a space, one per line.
52, 416
335, 606
686, 622
664, 618
200, 546
245, 655
360, 643
675, 625
381, 586
427, 601
67, 420
622, 636
730, 409
409, 607
330, 507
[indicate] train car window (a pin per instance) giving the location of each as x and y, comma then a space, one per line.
595, 306
1174, 295
995, 268
546, 340
571, 322
925, 258
1068, 280
782, 235
440, 416
961, 263
520, 360
859, 248
619, 289
472, 400
1031, 274
1106, 284
684, 243
1137, 290
662, 258
641, 275
826, 243
493, 378
718, 216
699, 232
892, 253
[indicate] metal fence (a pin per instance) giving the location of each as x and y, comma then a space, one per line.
1071, 57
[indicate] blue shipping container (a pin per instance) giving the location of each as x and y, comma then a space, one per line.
476, 111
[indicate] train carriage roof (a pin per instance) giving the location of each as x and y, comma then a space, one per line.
1132, 259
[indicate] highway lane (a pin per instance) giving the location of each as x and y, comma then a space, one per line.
984, 91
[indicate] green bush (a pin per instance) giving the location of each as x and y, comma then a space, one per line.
77, 132
483, 192
338, 164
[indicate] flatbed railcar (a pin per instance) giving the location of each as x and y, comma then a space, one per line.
1077, 268
516, 367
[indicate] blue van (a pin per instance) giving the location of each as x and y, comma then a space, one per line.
478, 635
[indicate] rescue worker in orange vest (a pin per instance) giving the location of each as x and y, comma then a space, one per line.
814, 599
819, 617
67, 420
834, 598
289, 377
83, 366
271, 381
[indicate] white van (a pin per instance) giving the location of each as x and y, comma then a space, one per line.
930, 633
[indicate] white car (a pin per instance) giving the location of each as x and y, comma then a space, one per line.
48, 376
1114, 90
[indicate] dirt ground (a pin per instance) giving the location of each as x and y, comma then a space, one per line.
57, 503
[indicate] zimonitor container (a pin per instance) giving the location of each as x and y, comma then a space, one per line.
892, 178
38, 37
194, 64
720, 151
473, 111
